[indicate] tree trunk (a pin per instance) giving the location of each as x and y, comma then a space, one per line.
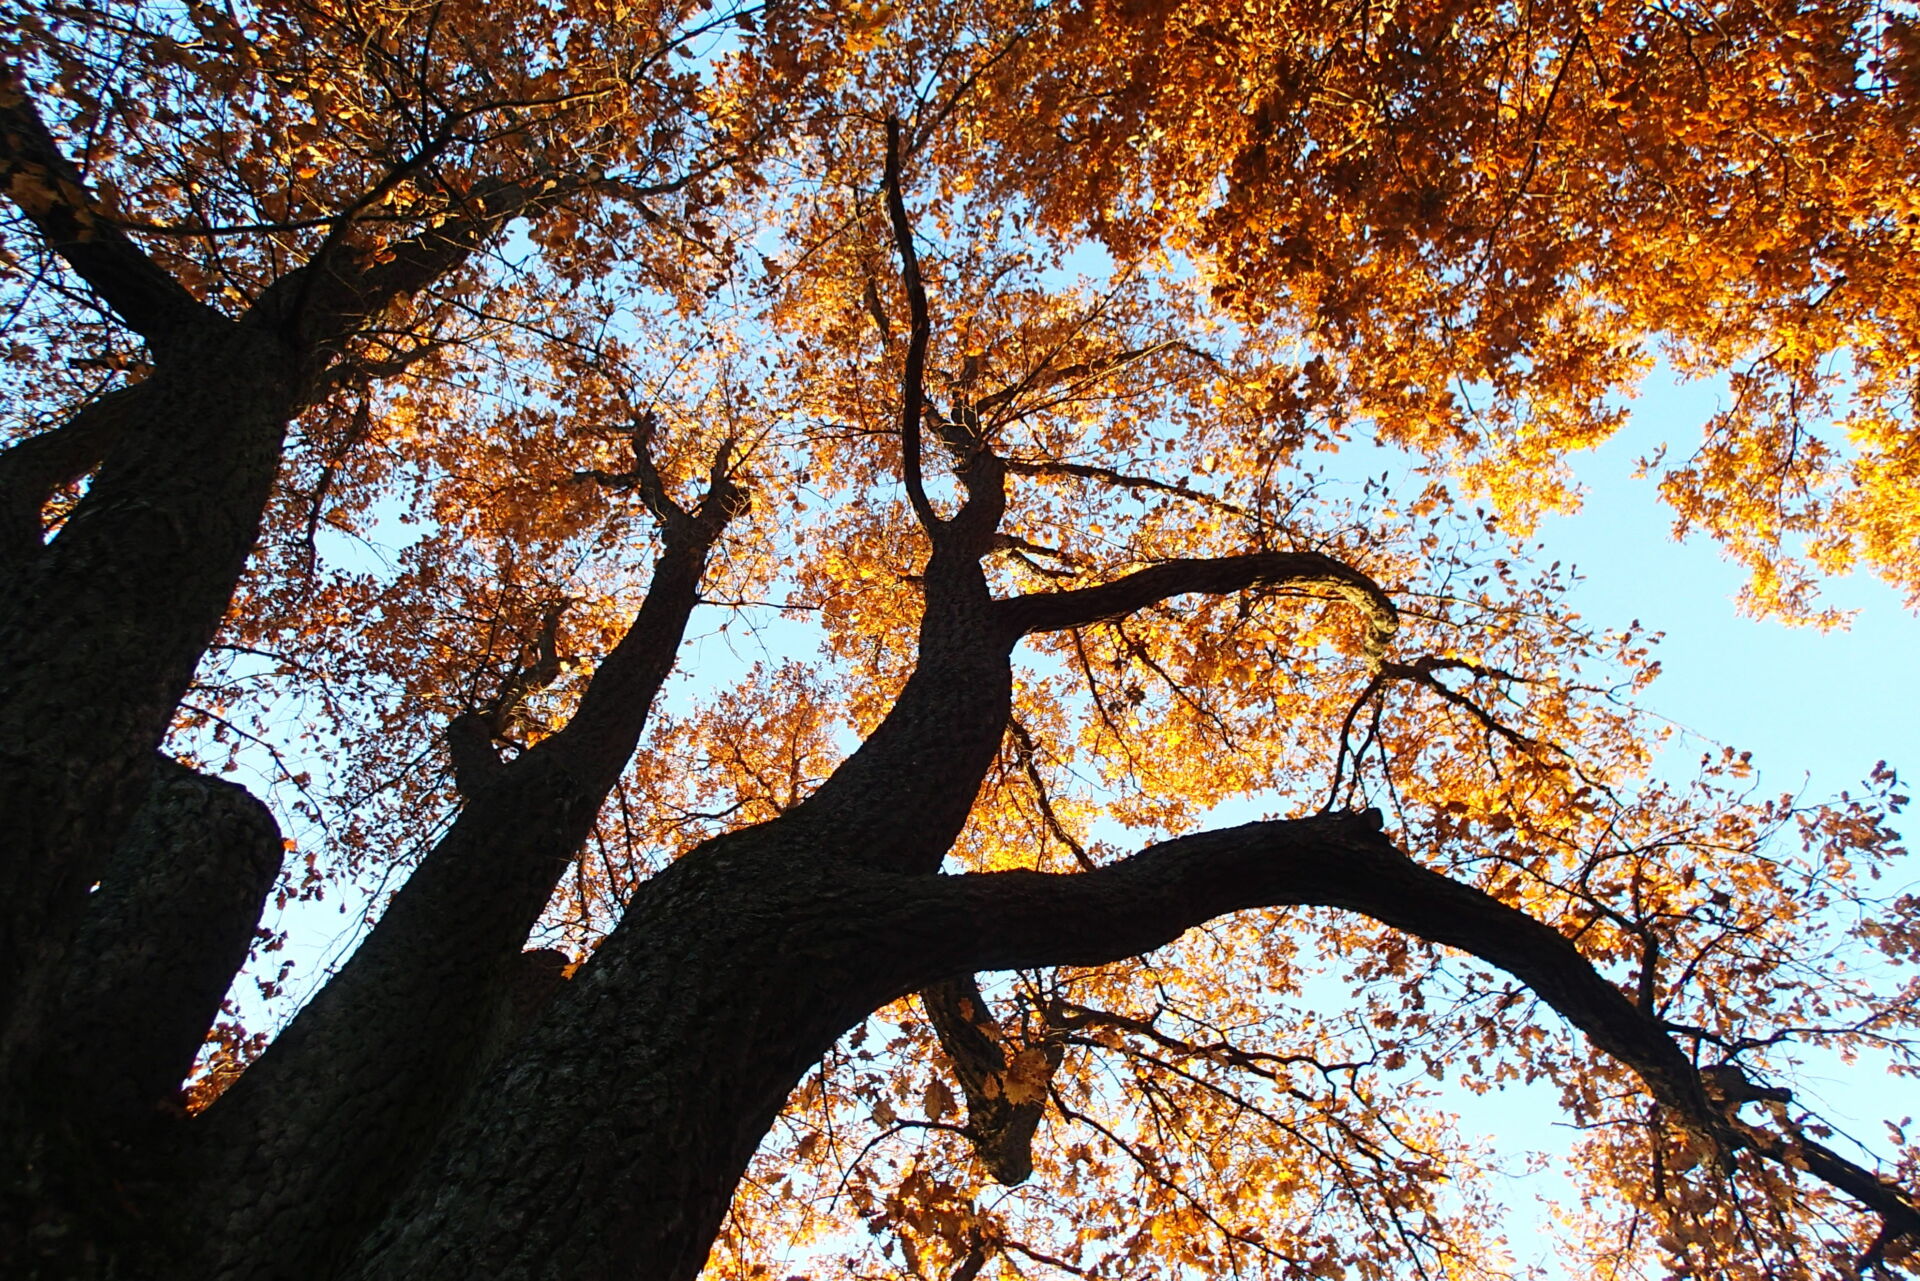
615, 1152
160, 940
302, 1156
103, 628
171, 924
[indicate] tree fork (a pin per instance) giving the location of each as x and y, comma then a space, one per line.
757, 950
300, 1157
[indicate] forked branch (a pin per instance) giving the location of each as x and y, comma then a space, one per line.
333, 297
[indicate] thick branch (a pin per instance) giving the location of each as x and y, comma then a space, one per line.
476, 762
50, 191
371, 1068
1021, 920
104, 624
902, 797
1057, 611
613, 710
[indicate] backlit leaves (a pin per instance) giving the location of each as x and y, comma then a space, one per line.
1196, 271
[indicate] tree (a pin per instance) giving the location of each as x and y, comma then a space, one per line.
597, 318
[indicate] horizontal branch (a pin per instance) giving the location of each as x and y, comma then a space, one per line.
1026, 920
1217, 576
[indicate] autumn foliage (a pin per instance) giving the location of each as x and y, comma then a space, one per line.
915, 629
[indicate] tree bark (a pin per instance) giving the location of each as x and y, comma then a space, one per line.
161, 938
608, 1146
1004, 1108
171, 923
448, 1107
301, 1156
730, 974
105, 625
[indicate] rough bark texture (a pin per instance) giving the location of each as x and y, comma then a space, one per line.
104, 626
305, 1151
161, 938
732, 972
172, 922
104, 623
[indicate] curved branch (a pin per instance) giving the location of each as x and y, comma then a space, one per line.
913, 376
1023, 920
50, 191
1057, 611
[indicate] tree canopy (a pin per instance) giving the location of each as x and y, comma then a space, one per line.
397, 389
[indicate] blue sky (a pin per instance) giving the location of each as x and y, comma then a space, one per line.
1817, 710
1814, 708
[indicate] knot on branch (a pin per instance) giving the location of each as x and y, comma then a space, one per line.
959, 430
470, 745
1729, 1084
